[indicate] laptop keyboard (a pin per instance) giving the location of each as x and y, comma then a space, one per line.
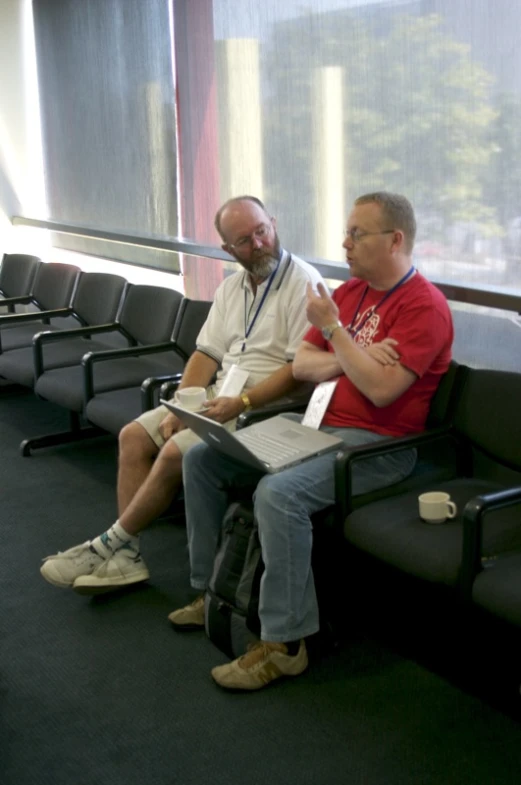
267, 448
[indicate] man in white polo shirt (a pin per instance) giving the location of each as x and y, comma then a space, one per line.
256, 322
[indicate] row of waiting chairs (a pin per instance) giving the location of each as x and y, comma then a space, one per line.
66, 349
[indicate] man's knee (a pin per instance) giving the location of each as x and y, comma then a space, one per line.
170, 456
195, 457
270, 494
135, 442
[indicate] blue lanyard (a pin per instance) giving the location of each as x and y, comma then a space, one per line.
386, 296
248, 329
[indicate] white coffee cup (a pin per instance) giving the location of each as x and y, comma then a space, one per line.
436, 507
191, 398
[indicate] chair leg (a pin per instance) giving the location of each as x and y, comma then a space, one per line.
75, 434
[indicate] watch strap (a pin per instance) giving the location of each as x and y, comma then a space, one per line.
329, 329
246, 401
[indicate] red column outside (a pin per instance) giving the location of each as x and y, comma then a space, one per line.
198, 138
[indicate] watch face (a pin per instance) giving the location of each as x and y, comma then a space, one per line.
328, 331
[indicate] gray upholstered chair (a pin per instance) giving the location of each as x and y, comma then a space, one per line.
17, 275
147, 321
96, 302
478, 454
51, 296
112, 409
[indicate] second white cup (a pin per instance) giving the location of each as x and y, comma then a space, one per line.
191, 398
436, 507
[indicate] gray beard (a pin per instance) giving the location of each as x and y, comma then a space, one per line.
263, 268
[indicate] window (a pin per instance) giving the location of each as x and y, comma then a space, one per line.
108, 120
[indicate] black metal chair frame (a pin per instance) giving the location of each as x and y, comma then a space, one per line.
473, 517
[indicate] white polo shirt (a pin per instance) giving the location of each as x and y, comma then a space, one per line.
278, 328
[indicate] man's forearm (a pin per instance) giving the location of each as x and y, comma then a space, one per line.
279, 383
382, 384
198, 371
315, 365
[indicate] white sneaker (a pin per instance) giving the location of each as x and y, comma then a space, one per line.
123, 568
63, 568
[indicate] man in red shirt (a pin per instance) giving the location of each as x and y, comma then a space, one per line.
379, 347
385, 299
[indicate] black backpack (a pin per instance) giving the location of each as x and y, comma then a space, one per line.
232, 596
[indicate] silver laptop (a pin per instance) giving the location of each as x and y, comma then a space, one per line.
269, 446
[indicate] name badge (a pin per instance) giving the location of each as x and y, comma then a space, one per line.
234, 381
318, 404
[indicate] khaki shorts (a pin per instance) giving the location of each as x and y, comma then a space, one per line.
186, 438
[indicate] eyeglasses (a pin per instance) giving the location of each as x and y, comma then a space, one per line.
260, 233
357, 234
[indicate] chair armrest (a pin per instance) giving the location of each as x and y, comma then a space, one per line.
280, 406
347, 458
50, 336
170, 385
473, 515
74, 332
151, 384
32, 316
127, 351
91, 358
296, 401
171, 382
23, 299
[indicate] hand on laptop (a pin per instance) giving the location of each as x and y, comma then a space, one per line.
223, 408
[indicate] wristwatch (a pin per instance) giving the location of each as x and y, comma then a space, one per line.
329, 329
246, 401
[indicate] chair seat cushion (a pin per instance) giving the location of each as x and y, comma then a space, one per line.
18, 336
391, 530
112, 410
498, 588
18, 365
64, 386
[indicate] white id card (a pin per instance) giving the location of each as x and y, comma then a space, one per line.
234, 381
318, 403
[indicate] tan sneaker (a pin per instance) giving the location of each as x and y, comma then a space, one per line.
191, 617
264, 662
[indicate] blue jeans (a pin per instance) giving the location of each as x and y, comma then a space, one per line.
283, 504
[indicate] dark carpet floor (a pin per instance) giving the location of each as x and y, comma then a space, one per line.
104, 691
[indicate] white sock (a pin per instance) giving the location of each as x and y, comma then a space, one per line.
113, 539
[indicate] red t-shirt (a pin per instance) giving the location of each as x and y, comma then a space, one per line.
418, 317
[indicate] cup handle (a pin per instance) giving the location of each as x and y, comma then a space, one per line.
452, 510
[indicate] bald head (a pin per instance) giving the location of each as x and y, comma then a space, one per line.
235, 204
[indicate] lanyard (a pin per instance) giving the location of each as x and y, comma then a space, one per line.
248, 329
386, 296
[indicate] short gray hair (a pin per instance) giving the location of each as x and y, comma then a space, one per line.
397, 211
